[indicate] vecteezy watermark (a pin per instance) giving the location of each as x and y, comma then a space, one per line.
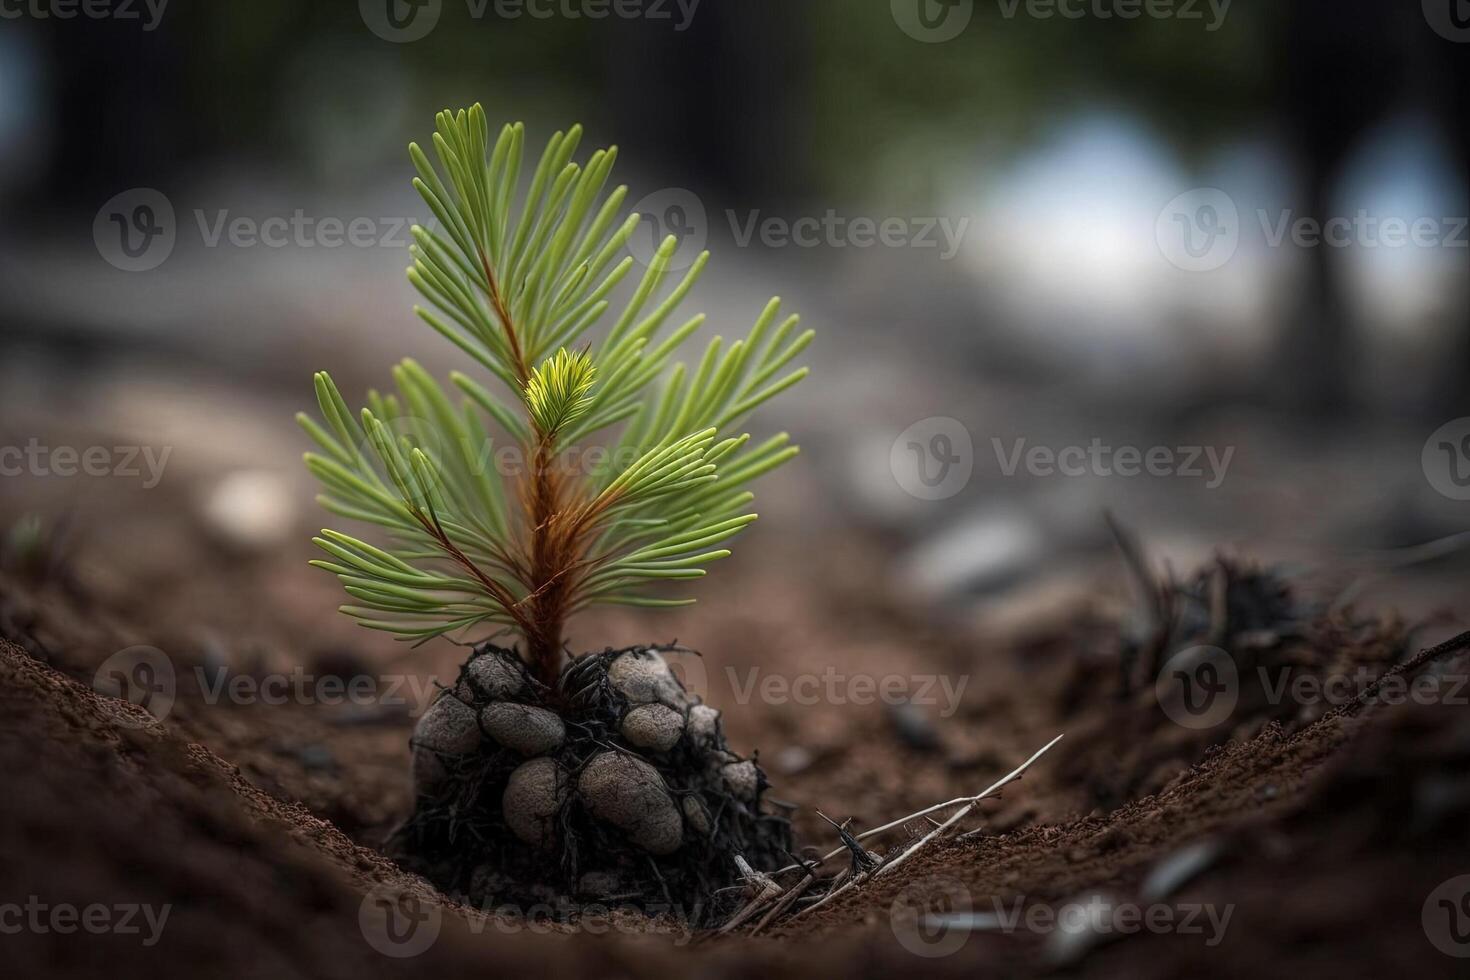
147, 12
127, 462
1450, 19
679, 213
933, 459
1097, 458
1198, 687
397, 922
932, 21
1105, 915
1446, 459
836, 231
935, 917
1446, 917
64, 919
563, 916
935, 21
141, 675
673, 212
301, 230
1201, 230
926, 917
833, 687
1211, 13
136, 230
402, 21
299, 686
147, 677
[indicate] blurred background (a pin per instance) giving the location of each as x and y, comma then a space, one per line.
1202, 265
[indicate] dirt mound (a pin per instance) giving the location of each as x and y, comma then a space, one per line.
1294, 828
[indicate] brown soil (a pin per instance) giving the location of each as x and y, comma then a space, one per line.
1323, 833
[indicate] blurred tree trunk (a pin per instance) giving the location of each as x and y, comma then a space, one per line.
724, 93
1451, 396
1342, 72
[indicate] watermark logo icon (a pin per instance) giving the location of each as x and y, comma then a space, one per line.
672, 211
932, 21
689, 668
140, 675
927, 917
135, 230
1199, 230
1446, 459
398, 923
1446, 917
400, 21
1198, 687
933, 459
1450, 19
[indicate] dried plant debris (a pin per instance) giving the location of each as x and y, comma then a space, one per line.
616, 784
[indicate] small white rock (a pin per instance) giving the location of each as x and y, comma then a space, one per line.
704, 724
496, 676
630, 794
523, 728
533, 797
252, 510
743, 778
448, 727
643, 677
653, 726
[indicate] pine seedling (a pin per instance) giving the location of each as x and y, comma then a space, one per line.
518, 280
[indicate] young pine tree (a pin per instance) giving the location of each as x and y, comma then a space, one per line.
516, 281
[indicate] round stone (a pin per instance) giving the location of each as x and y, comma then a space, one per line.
448, 727
697, 815
653, 726
533, 797
496, 675
630, 794
523, 728
743, 778
643, 677
704, 724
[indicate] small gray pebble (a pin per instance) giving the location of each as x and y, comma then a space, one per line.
523, 728
653, 726
497, 676
743, 778
704, 724
630, 794
448, 727
697, 815
643, 677
534, 795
